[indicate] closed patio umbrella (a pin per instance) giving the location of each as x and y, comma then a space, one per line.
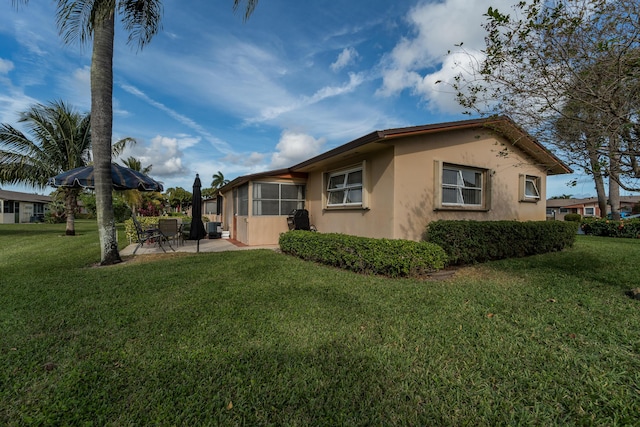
197, 231
123, 179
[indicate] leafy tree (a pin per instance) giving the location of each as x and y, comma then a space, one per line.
84, 20
209, 193
58, 139
88, 199
178, 198
56, 213
584, 142
567, 71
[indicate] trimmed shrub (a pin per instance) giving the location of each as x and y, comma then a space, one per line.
573, 217
628, 228
393, 258
469, 242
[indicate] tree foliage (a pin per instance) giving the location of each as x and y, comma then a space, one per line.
218, 181
178, 198
134, 198
94, 20
58, 138
568, 71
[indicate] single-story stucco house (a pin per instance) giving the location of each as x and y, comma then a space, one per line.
392, 183
16, 207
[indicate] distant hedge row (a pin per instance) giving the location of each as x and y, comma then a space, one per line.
393, 258
468, 242
626, 228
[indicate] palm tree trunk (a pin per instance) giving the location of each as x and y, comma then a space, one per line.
70, 204
101, 128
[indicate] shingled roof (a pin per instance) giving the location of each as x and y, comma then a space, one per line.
500, 124
24, 197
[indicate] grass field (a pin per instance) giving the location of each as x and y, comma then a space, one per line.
260, 338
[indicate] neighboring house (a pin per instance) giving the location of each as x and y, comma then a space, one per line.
16, 207
587, 207
627, 203
212, 208
392, 183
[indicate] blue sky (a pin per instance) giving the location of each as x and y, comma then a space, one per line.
213, 93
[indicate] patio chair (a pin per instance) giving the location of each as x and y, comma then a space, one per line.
171, 229
149, 235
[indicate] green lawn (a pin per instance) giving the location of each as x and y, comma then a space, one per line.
261, 338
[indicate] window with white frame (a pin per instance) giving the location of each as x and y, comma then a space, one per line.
462, 186
277, 198
531, 187
344, 188
589, 211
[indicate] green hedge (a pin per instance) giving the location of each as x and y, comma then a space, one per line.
573, 217
393, 258
628, 228
469, 242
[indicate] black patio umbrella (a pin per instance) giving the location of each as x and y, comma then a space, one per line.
123, 179
197, 230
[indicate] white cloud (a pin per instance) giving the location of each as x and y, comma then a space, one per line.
220, 145
12, 104
34, 43
82, 77
322, 94
295, 147
76, 87
417, 61
347, 57
5, 66
250, 162
164, 154
436, 89
219, 71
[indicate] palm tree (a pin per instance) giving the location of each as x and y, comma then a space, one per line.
59, 139
83, 20
134, 198
218, 181
136, 165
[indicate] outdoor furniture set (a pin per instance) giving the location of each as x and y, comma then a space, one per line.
160, 233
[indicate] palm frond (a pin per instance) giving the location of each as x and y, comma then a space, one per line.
142, 19
119, 146
76, 19
251, 5
57, 139
18, 3
13, 139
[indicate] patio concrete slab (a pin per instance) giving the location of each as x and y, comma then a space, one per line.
206, 245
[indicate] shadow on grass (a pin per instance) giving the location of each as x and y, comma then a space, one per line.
12, 231
574, 265
333, 384
37, 230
